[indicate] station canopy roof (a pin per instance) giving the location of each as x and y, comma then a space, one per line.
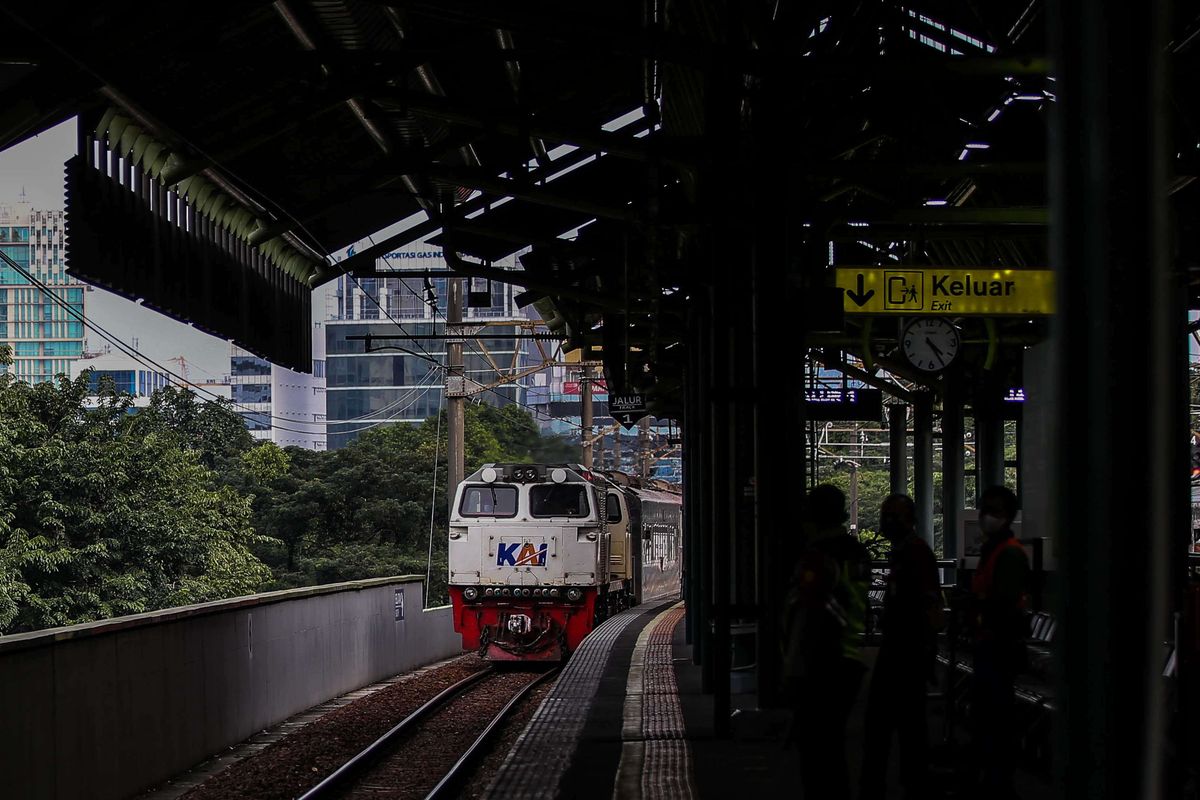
599, 134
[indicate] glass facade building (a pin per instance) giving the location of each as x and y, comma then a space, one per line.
400, 384
278, 404
45, 338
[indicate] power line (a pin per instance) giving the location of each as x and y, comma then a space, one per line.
474, 350
426, 354
137, 355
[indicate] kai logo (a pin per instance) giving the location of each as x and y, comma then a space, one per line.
521, 554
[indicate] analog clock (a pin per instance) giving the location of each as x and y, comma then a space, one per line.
930, 343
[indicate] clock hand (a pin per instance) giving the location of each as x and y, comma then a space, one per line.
936, 351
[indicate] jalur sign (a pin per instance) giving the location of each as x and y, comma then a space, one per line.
627, 409
983, 291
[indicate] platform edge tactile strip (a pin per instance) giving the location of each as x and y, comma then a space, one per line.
667, 758
542, 753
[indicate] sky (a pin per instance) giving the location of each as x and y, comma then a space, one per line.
35, 167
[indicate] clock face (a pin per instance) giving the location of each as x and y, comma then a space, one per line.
930, 343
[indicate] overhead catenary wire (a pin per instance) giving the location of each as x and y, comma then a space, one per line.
474, 351
145, 360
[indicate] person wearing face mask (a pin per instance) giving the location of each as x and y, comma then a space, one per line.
896, 699
999, 588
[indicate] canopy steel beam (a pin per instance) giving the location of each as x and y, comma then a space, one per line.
860, 170
523, 125
583, 31
423, 230
525, 190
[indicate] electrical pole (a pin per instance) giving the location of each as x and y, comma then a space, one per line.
618, 463
644, 447
598, 448
456, 389
586, 389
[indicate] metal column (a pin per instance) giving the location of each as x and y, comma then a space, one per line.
1122, 442
989, 446
723, 510
704, 520
923, 465
952, 467
898, 447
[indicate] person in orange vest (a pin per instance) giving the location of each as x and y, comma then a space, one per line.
999, 587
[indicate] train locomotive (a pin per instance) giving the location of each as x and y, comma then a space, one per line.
539, 554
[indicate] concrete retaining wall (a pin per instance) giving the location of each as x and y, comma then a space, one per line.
108, 709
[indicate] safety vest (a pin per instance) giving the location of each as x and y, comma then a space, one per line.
981, 583
983, 578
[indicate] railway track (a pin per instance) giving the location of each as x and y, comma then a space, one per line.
432, 751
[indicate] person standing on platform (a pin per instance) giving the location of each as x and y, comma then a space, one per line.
912, 611
824, 618
1000, 590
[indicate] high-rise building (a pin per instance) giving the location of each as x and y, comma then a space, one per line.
403, 381
44, 337
278, 404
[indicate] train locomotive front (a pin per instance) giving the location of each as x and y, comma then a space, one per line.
530, 569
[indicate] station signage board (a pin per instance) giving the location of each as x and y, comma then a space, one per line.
627, 409
975, 291
825, 405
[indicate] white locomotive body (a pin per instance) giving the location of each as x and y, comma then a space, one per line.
538, 554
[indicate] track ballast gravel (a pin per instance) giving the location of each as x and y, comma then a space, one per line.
296, 763
420, 760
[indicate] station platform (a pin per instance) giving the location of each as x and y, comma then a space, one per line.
626, 719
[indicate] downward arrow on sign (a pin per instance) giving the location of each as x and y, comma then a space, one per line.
860, 298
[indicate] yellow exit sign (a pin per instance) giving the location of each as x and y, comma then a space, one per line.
982, 291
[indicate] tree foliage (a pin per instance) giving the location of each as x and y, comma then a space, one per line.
103, 513
379, 506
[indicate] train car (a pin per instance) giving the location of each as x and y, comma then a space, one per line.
539, 554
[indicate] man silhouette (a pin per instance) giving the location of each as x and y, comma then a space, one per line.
896, 699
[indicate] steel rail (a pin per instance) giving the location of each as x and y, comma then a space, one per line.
451, 780
373, 751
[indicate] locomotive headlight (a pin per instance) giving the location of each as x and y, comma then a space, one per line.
505, 592
470, 593
489, 592
574, 594
489, 475
554, 592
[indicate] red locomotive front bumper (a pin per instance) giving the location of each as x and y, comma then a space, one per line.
512, 629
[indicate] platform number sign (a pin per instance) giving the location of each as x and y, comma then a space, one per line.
627, 409
398, 604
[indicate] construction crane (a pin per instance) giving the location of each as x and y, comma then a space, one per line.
183, 368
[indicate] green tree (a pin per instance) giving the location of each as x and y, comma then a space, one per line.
211, 429
368, 509
103, 514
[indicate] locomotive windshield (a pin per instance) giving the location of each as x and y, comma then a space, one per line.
558, 500
489, 501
